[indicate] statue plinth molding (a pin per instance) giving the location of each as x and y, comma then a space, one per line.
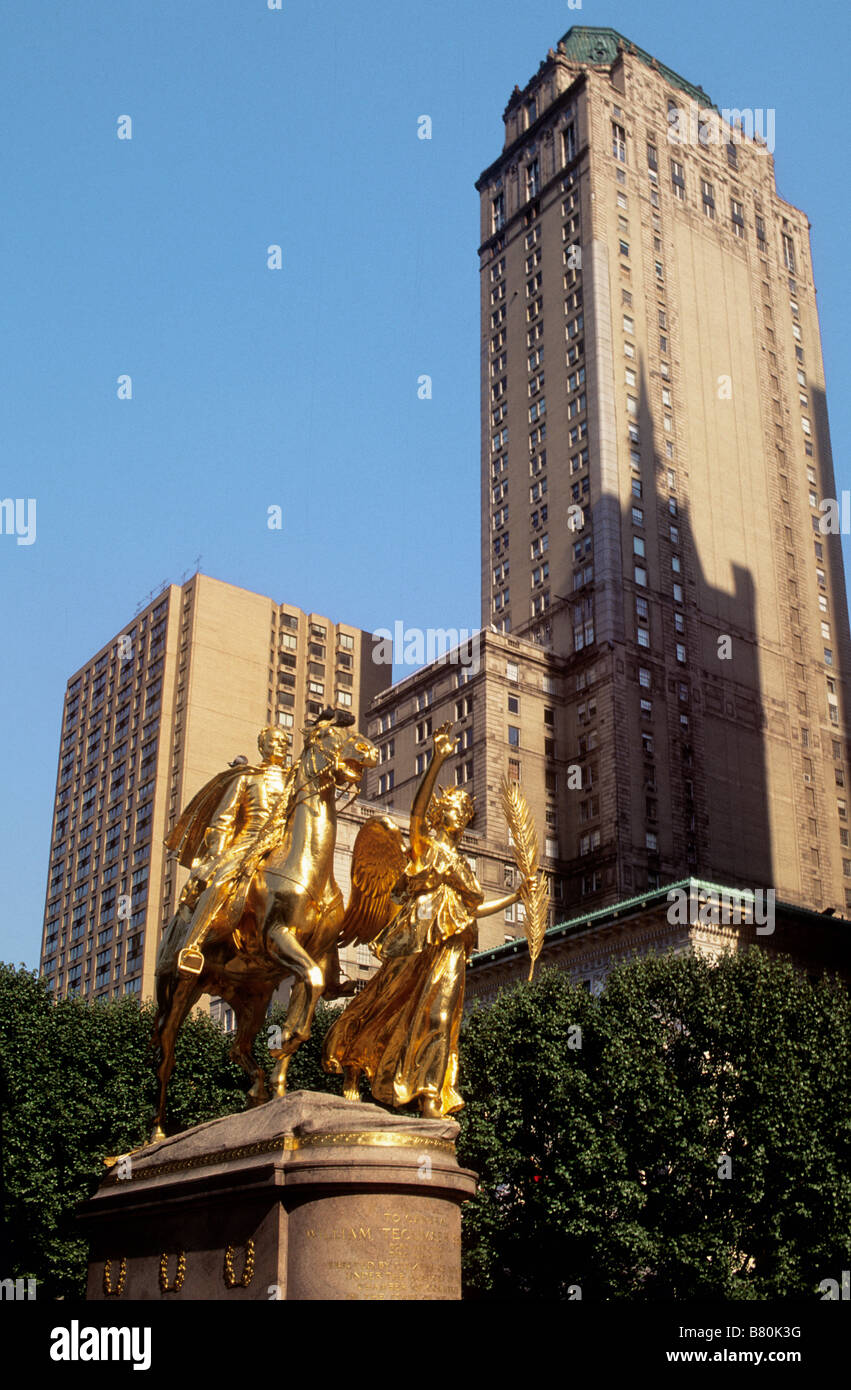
307, 1197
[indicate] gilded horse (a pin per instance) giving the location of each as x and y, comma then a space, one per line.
289, 925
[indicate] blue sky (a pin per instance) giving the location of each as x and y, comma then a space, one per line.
297, 387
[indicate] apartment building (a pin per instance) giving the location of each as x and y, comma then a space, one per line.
168, 702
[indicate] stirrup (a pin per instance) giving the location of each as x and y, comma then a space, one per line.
190, 961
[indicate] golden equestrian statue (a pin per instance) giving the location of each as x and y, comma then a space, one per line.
222, 849
261, 903
419, 911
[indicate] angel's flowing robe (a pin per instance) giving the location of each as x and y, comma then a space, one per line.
402, 1029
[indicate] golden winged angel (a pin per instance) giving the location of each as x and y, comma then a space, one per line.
419, 911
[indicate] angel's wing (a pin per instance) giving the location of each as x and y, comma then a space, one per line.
378, 859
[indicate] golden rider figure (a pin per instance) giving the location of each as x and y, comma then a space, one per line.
221, 835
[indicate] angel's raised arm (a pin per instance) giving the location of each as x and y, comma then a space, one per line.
444, 747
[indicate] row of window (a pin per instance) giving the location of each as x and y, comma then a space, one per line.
539, 576
531, 177
707, 189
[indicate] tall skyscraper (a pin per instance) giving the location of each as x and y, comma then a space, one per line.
174, 697
655, 460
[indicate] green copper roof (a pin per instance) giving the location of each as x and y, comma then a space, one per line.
652, 898
584, 44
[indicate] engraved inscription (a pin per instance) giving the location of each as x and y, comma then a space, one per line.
408, 1262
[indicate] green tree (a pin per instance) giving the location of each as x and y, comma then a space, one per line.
77, 1083
305, 1070
696, 1145
686, 1134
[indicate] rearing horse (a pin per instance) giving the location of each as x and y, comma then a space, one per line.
289, 925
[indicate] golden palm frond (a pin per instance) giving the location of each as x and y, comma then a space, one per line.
533, 888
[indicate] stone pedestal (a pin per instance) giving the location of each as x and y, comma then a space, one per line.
307, 1197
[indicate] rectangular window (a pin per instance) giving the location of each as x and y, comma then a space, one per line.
619, 142
707, 191
678, 180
